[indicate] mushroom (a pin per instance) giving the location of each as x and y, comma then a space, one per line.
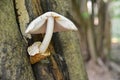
33, 50
48, 23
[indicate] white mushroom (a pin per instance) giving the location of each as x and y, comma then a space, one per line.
48, 23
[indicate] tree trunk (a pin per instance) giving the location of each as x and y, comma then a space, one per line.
65, 62
85, 25
103, 31
14, 63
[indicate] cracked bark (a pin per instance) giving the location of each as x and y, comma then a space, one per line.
65, 63
66, 44
14, 63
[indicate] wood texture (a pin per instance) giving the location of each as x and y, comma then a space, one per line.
14, 63
66, 62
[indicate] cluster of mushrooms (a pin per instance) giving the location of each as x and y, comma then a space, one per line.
47, 23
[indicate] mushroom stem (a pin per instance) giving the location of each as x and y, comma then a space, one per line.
48, 35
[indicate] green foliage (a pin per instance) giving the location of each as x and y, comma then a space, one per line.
115, 0
85, 15
114, 9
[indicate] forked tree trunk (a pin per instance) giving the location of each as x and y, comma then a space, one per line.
84, 21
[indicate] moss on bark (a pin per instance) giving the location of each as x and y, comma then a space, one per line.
14, 64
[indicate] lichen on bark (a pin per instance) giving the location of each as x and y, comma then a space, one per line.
14, 63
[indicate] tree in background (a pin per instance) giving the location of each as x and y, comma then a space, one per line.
94, 28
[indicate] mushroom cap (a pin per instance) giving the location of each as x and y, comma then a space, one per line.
39, 24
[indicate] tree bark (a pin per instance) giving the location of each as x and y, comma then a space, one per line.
66, 62
71, 52
14, 62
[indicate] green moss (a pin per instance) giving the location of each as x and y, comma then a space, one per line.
14, 64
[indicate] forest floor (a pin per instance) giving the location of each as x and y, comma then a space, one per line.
102, 71
105, 71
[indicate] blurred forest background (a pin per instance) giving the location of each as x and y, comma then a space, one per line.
106, 38
100, 37
91, 53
